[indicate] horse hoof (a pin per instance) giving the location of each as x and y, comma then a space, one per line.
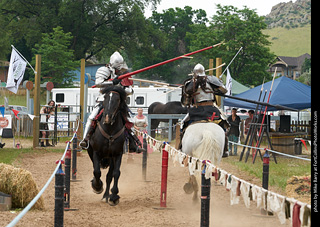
188, 188
114, 203
98, 190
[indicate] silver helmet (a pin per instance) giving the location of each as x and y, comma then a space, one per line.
199, 70
117, 62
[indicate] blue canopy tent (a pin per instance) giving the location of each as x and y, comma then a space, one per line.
285, 92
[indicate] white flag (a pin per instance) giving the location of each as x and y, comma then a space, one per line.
16, 71
229, 83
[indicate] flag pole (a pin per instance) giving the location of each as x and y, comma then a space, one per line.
35, 72
230, 62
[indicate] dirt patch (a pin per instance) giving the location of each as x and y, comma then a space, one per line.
299, 188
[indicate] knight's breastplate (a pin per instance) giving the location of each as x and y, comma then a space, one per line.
206, 95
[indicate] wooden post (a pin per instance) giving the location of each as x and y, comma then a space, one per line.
218, 73
82, 77
36, 102
211, 66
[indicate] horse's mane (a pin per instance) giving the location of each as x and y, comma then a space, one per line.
123, 96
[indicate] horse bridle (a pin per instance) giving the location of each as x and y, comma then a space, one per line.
116, 111
111, 138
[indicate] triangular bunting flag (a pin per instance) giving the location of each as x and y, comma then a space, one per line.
2, 110
304, 143
16, 113
31, 116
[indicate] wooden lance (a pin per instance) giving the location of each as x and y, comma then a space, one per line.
165, 62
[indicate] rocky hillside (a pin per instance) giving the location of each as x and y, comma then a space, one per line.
290, 14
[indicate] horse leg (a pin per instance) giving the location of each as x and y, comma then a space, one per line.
195, 188
154, 125
96, 183
114, 198
90, 153
108, 180
188, 187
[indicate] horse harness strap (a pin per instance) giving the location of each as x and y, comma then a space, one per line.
112, 137
207, 103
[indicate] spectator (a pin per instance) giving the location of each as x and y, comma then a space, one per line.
46, 111
140, 121
233, 134
248, 121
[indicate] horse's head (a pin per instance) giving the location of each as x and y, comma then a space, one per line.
111, 105
114, 101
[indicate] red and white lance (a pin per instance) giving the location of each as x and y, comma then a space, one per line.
254, 153
165, 62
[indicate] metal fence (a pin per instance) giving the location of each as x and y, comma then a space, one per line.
60, 124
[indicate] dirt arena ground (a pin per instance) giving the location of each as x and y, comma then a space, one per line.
138, 200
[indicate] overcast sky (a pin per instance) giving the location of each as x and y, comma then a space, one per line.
263, 7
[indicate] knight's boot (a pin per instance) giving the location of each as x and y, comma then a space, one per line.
184, 124
134, 143
225, 150
181, 136
87, 134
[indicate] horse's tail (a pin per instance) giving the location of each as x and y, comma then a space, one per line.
209, 148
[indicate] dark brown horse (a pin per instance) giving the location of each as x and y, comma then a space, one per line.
168, 108
106, 144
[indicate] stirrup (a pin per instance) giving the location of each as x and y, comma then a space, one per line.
83, 147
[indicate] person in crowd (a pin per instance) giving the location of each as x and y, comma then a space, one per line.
248, 121
46, 111
140, 121
234, 132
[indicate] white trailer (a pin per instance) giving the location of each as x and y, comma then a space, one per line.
142, 97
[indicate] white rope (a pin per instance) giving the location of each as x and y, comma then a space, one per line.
276, 152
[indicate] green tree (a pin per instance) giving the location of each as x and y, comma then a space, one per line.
306, 65
96, 26
171, 27
237, 28
56, 59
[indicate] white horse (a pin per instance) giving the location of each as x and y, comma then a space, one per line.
204, 141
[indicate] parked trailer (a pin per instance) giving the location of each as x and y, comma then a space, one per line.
142, 97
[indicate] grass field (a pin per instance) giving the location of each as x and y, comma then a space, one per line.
19, 99
278, 173
9, 155
290, 42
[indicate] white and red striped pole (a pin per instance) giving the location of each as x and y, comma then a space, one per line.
254, 153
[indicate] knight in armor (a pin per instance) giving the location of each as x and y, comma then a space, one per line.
113, 70
198, 93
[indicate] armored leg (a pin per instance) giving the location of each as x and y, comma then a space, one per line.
134, 143
225, 125
89, 129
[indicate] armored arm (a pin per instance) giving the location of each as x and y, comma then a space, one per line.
216, 85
